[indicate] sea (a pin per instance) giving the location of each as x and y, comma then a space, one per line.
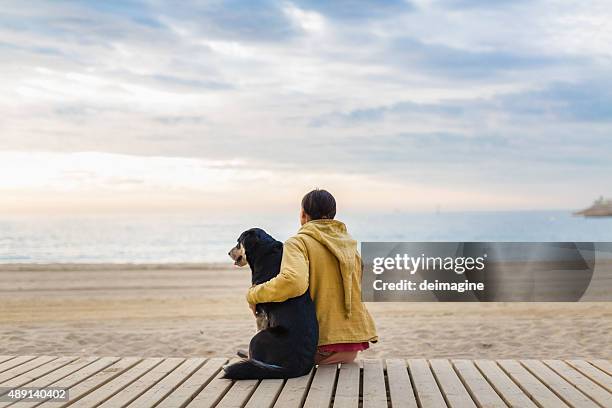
179, 238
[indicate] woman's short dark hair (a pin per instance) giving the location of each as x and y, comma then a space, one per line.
319, 204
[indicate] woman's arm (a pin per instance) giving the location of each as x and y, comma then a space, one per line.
292, 280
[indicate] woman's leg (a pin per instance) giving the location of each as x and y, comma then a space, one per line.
336, 357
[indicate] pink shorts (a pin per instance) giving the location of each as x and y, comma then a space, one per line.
339, 353
345, 347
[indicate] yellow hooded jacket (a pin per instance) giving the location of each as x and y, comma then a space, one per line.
324, 257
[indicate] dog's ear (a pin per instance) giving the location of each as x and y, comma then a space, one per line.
249, 239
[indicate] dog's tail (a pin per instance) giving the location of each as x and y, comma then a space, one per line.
254, 370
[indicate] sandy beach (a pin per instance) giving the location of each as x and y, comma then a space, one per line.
200, 310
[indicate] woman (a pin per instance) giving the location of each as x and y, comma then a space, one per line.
324, 257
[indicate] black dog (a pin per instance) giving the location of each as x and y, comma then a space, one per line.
286, 344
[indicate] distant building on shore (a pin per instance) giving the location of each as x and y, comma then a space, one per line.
600, 208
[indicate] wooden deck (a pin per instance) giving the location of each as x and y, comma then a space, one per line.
195, 382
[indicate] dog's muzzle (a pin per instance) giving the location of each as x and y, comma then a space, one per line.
238, 255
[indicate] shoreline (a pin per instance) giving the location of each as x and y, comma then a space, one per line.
94, 266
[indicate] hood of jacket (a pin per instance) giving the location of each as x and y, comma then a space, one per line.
332, 234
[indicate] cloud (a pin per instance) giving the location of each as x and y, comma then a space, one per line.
457, 94
476, 4
585, 101
380, 113
588, 101
258, 20
190, 83
472, 64
358, 9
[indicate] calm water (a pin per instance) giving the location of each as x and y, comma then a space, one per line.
193, 238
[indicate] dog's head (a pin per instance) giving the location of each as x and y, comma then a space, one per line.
247, 242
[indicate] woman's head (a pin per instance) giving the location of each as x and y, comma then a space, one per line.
318, 205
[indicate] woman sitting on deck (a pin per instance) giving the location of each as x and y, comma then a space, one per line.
323, 256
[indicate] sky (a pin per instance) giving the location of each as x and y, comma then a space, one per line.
246, 105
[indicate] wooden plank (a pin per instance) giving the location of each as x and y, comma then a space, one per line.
24, 368
100, 394
594, 373
503, 385
294, 392
578, 380
55, 375
427, 392
266, 393
374, 388
99, 369
213, 392
564, 390
117, 382
38, 372
603, 365
85, 382
73, 380
7, 365
452, 389
238, 394
400, 387
321, 387
171, 382
142, 384
193, 385
64, 371
347, 390
479, 389
537, 391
